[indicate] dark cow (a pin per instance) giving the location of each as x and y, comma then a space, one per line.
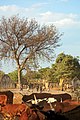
9, 95
25, 98
73, 114
59, 97
51, 115
42, 99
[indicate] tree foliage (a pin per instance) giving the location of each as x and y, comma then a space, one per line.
66, 67
25, 41
44, 73
32, 75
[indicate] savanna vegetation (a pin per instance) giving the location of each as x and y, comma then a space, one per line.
65, 67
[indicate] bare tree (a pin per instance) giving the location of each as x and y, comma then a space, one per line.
25, 41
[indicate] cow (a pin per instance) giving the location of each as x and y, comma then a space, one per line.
45, 99
12, 110
3, 100
65, 106
9, 95
59, 97
73, 114
32, 114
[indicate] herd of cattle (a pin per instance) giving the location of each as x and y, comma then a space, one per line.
39, 106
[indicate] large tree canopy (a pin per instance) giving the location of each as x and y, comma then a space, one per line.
25, 41
66, 67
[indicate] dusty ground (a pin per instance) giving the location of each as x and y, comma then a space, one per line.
17, 98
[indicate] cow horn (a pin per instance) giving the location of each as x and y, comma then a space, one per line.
35, 99
51, 107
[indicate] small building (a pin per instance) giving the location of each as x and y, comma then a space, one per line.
75, 83
71, 84
6, 82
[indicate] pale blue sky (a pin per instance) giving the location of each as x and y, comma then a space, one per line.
64, 14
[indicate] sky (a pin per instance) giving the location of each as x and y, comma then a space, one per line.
64, 14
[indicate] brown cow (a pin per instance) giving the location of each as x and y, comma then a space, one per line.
3, 100
65, 106
11, 110
71, 102
32, 114
9, 95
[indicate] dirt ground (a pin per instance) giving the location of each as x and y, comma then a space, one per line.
17, 99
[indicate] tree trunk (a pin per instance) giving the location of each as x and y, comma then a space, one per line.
19, 78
